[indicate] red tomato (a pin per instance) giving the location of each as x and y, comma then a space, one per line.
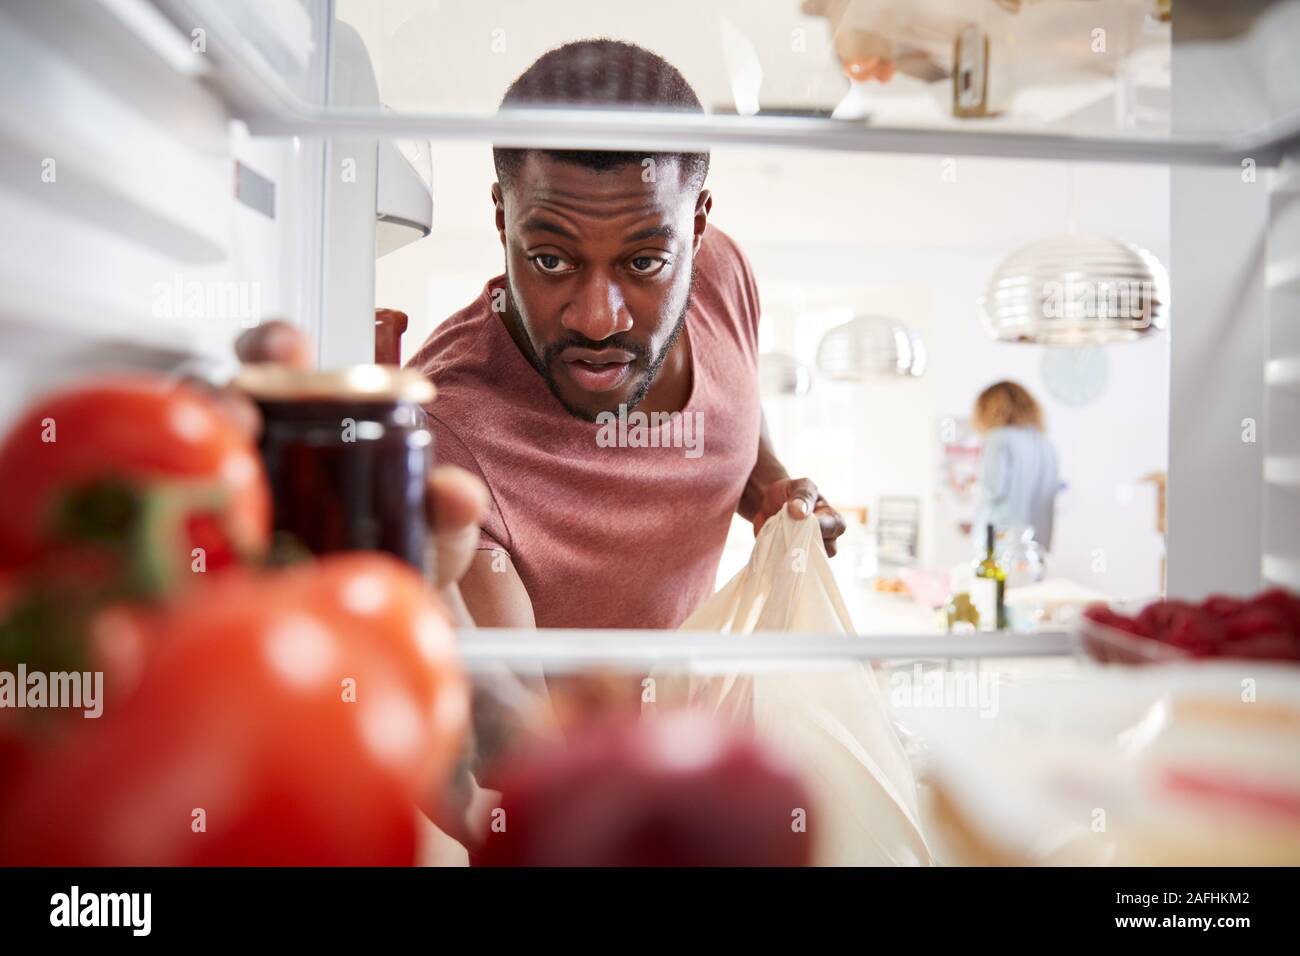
295, 732
141, 429
379, 602
15, 758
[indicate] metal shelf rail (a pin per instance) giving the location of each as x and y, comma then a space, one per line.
578, 648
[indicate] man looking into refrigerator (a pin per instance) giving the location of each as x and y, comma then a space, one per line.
552, 505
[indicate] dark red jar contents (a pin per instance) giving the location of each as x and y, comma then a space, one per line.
348, 470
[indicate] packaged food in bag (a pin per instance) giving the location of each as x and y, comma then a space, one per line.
827, 718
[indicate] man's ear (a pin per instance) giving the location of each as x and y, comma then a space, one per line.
498, 200
703, 204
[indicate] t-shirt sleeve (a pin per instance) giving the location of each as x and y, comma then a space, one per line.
749, 288
736, 281
448, 449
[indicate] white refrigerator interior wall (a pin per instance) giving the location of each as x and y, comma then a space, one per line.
1218, 228
129, 247
1281, 511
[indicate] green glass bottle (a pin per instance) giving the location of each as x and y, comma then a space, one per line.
988, 588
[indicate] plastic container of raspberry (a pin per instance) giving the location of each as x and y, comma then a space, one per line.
1110, 645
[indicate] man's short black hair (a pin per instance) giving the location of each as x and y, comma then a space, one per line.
601, 73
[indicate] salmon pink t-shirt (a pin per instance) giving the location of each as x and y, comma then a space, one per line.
609, 523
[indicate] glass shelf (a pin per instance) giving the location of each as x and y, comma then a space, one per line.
578, 649
1090, 81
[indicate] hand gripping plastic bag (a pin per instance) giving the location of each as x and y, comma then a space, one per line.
825, 717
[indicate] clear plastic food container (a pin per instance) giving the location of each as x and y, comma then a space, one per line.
1110, 645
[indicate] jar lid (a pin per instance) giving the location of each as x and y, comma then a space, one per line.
276, 382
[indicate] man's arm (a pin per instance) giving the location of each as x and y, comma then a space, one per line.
509, 708
770, 488
493, 595
480, 587
767, 471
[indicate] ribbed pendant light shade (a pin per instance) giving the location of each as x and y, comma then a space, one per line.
870, 348
1076, 290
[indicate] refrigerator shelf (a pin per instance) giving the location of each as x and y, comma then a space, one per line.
633, 130
263, 96
578, 648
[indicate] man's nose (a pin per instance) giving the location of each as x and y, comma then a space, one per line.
598, 311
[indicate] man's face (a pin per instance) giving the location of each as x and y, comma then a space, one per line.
598, 270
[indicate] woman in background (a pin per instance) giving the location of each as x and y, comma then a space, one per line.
1018, 472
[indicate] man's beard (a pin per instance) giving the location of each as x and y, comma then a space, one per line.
648, 367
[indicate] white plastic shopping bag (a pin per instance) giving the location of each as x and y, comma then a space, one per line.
826, 718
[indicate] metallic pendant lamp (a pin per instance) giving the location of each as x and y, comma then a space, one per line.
1076, 290
780, 373
870, 348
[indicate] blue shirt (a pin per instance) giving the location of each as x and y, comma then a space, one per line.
1018, 482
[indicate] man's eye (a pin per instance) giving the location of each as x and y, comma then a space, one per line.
552, 264
647, 265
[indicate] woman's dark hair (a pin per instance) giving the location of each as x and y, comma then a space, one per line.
601, 74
